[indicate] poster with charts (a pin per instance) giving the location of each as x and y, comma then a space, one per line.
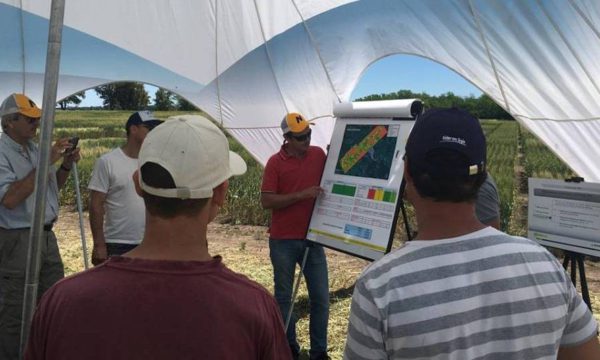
357, 212
565, 215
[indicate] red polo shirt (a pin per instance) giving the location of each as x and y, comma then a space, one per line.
286, 174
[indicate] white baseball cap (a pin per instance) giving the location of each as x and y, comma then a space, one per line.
196, 154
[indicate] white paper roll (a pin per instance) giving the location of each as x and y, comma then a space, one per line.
404, 109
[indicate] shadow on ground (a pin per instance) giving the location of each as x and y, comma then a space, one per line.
302, 306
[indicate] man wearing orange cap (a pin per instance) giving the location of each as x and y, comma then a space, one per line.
289, 188
18, 160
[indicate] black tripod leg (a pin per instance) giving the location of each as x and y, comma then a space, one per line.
573, 269
566, 260
584, 288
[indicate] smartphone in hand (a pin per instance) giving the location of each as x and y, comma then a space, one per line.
73, 141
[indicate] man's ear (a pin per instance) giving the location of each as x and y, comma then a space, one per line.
136, 183
407, 175
220, 193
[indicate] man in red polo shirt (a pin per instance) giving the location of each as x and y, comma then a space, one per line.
290, 186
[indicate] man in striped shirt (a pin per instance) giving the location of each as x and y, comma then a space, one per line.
462, 290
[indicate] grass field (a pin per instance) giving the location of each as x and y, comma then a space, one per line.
240, 236
513, 155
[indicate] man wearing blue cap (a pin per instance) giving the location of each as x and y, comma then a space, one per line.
116, 211
461, 289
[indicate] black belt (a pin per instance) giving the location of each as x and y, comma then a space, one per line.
47, 227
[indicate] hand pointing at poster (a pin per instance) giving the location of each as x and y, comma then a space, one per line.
310, 192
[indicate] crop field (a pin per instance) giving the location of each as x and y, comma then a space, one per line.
101, 131
240, 234
513, 155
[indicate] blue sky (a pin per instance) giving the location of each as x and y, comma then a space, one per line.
398, 72
390, 74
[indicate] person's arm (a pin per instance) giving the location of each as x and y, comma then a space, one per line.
62, 173
37, 341
365, 338
271, 200
579, 338
273, 341
97, 200
589, 350
19, 190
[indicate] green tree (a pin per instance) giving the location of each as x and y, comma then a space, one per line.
488, 109
163, 100
73, 99
123, 96
184, 105
482, 107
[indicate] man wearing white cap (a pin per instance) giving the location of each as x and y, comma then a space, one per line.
168, 298
116, 210
289, 188
18, 162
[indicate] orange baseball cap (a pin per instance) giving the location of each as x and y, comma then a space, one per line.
294, 122
20, 104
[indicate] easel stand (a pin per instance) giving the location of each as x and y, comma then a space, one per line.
295, 293
576, 261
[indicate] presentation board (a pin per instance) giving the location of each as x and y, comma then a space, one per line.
565, 215
357, 212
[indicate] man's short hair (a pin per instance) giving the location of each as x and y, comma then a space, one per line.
446, 155
181, 162
157, 176
446, 188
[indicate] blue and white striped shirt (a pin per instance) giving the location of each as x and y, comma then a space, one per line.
482, 295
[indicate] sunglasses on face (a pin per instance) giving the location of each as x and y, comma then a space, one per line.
31, 121
301, 138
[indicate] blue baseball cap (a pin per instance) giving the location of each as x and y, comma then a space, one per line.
145, 118
447, 128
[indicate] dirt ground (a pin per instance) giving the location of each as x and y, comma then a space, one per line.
245, 249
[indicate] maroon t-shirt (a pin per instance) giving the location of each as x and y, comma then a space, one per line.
147, 309
286, 174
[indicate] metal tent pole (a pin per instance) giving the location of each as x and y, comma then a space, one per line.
57, 11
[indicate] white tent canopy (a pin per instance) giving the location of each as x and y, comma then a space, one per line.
248, 62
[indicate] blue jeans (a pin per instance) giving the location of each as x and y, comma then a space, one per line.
285, 254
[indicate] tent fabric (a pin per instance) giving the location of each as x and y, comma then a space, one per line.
247, 62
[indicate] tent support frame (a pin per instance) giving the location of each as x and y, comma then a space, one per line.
57, 11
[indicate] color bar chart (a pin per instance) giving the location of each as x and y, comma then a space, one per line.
379, 194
